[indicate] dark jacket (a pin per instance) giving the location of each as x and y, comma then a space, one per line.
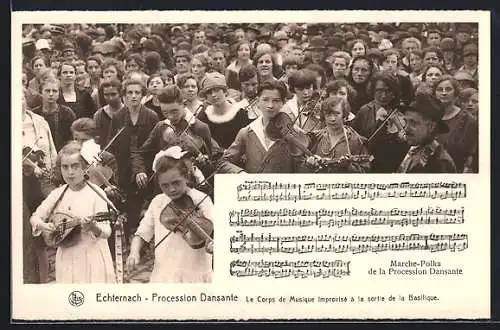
131, 137
142, 159
60, 124
84, 105
438, 161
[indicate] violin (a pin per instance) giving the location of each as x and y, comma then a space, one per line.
178, 136
281, 127
319, 164
311, 110
98, 173
182, 215
33, 163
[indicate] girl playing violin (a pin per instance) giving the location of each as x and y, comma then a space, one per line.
175, 260
337, 139
87, 259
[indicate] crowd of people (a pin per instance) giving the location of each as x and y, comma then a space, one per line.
168, 106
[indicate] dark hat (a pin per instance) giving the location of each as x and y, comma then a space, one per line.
335, 42
429, 106
149, 44
463, 27
349, 36
447, 44
317, 42
469, 49
68, 46
212, 80
254, 27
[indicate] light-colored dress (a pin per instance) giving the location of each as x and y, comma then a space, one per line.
175, 261
89, 260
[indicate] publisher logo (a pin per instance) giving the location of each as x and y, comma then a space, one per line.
76, 298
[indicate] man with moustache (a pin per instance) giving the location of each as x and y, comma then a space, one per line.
423, 123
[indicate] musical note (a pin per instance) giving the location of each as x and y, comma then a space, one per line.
299, 244
266, 191
288, 268
291, 217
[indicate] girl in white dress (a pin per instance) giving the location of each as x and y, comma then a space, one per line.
88, 260
175, 260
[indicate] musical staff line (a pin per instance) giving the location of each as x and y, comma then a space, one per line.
299, 244
267, 191
286, 268
289, 217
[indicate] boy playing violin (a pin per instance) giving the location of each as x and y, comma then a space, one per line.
175, 259
254, 149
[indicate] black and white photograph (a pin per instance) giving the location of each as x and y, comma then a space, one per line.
125, 126
136, 119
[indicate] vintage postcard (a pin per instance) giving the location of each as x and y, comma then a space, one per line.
243, 165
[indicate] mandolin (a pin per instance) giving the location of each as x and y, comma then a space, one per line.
68, 228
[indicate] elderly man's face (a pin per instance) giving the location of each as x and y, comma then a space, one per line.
418, 128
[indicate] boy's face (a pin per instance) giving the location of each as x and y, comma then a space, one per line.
111, 96
249, 87
270, 102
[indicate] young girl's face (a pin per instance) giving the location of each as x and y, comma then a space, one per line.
335, 117
172, 183
93, 68
38, 66
471, 104
155, 85
190, 89
433, 74
72, 169
197, 68
81, 136
265, 65
244, 52
358, 49
110, 72
132, 66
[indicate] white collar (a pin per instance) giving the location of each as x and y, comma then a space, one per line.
293, 105
258, 127
219, 119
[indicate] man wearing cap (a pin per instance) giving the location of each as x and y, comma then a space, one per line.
449, 54
423, 123
470, 60
253, 32
317, 47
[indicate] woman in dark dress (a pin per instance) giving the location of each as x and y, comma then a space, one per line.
224, 119
362, 69
79, 101
461, 141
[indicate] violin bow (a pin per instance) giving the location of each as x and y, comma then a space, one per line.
186, 216
393, 112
